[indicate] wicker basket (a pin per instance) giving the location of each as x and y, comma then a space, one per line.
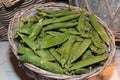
40, 74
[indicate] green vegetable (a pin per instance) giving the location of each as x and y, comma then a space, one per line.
71, 31
55, 54
66, 51
24, 50
73, 50
42, 63
89, 61
97, 50
60, 25
81, 49
44, 53
29, 41
54, 41
36, 30
26, 28
66, 18
87, 54
96, 40
54, 33
99, 29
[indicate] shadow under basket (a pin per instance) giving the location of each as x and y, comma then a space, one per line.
40, 74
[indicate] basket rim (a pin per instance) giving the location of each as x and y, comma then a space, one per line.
54, 75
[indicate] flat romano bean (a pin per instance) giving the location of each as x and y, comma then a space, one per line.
26, 28
81, 49
97, 50
101, 50
42, 63
60, 49
55, 41
88, 61
24, 50
66, 51
87, 54
45, 38
59, 25
66, 18
47, 21
81, 71
83, 29
36, 30
54, 33
42, 34
44, 53
79, 38
81, 22
72, 51
96, 40
99, 29
31, 43
71, 31
55, 54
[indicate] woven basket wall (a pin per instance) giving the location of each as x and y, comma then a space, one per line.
40, 74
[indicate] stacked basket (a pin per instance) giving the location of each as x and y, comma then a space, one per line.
41, 74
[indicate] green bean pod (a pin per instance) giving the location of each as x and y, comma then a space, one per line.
87, 54
73, 50
81, 71
66, 18
71, 31
26, 28
66, 51
36, 30
44, 53
54, 33
24, 50
47, 21
81, 49
96, 40
42, 63
31, 43
99, 29
60, 25
54, 41
55, 54
97, 50
81, 22
89, 61
60, 49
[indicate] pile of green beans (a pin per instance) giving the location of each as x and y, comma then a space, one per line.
64, 41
